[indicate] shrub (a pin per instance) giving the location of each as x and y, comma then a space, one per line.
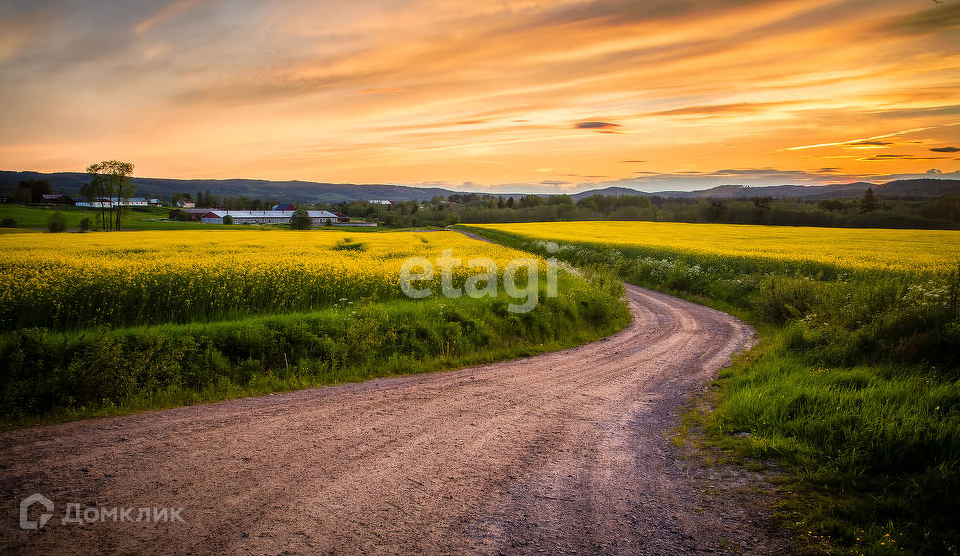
57, 222
85, 225
8, 223
227, 220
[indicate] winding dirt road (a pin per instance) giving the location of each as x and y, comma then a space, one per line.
564, 453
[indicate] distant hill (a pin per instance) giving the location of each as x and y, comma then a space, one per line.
69, 183
293, 191
927, 187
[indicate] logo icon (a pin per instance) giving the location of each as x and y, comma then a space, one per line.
25, 521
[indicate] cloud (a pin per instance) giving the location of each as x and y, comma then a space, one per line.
381, 90
873, 143
169, 14
934, 171
21, 26
596, 125
737, 108
934, 20
882, 157
554, 182
946, 110
861, 140
615, 13
945, 149
633, 161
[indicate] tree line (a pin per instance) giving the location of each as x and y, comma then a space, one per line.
471, 208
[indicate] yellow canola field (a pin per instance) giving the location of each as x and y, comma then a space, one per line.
910, 250
68, 280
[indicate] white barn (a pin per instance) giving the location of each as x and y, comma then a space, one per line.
319, 217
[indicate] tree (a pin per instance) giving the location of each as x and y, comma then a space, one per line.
227, 220
715, 210
85, 225
98, 188
23, 193
57, 222
37, 189
869, 202
834, 205
300, 220
114, 178
761, 209
530, 201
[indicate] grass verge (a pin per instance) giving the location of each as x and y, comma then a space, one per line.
48, 376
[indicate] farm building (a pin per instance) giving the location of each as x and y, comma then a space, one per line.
56, 199
112, 202
319, 217
188, 213
284, 207
97, 203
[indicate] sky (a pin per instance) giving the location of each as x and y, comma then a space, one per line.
496, 95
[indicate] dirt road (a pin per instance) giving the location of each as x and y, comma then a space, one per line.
562, 453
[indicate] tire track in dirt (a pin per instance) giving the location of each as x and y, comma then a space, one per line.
566, 452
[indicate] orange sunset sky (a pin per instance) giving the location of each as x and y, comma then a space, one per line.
510, 95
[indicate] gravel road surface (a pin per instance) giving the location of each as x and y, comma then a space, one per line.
564, 453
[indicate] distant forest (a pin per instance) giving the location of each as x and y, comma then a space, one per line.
868, 211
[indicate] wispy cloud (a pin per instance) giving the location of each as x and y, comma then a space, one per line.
168, 14
708, 110
873, 143
887, 157
868, 140
933, 20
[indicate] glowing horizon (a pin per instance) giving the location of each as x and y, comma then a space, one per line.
512, 96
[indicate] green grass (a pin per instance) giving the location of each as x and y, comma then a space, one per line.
34, 218
854, 387
134, 218
48, 376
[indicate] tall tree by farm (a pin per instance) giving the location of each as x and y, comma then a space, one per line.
110, 180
